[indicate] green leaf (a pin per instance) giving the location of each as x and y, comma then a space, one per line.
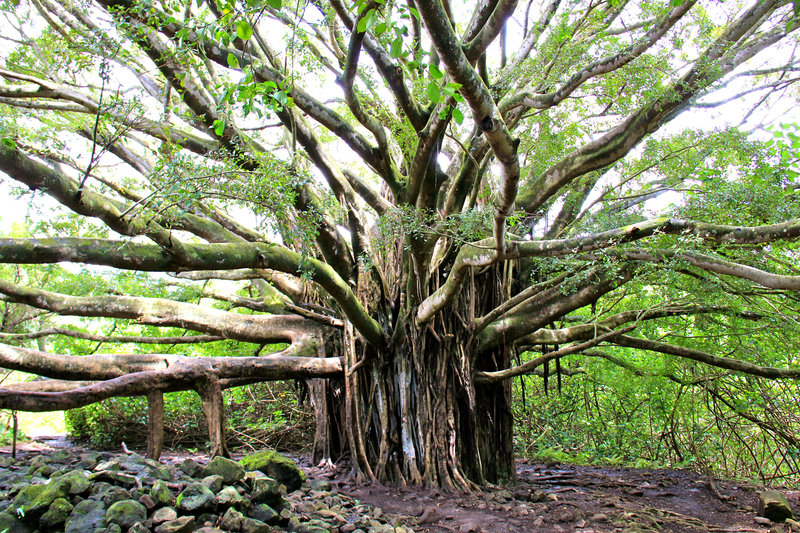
233, 61
219, 127
434, 93
458, 116
274, 4
436, 74
8, 141
396, 49
243, 30
367, 21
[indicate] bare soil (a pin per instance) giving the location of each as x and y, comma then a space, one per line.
568, 498
552, 498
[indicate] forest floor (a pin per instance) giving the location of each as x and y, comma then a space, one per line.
554, 498
586, 499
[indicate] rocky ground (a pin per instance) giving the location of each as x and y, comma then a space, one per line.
86, 491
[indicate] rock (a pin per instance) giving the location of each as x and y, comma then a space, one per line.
774, 505
56, 515
191, 468
429, 515
320, 484
88, 515
44, 471
89, 460
539, 522
109, 494
161, 494
78, 481
61, 456
10, 524
147, 501
231, 471
470, 527
36, 499
251, 525
157, 470
125, 513
184, 524
139, 527
212, 482
276, 466
599, 517
230, 497
265, 513
113, 476
265, 490
762, 521
232, 520
165, 514
196, 498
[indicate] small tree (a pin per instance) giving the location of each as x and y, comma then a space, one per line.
416, 192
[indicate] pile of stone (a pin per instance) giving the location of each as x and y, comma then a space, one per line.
104, 493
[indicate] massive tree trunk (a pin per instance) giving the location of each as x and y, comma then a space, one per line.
412, 413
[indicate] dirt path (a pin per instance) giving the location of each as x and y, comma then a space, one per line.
584, 499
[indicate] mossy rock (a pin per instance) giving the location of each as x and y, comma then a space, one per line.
125, 513
56, 515
231, 471
774, 505
196, 498
10, 524
161, 494
276, 466
36, 499
78, 481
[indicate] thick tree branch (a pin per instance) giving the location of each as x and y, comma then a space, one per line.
133, 256
159, 372
483, 109
704, 357
482, 253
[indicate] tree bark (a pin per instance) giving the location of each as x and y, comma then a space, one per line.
155, 425
213, 407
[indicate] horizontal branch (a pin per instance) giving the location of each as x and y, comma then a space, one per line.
176, 373
482, 253
704, 357
530, 366
720, 266
223, 256
183, 339
164, 312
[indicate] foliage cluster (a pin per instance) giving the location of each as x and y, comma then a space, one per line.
730, 426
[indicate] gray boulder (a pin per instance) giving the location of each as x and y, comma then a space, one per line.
88, 515
184, 524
